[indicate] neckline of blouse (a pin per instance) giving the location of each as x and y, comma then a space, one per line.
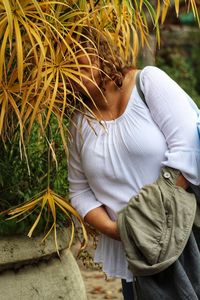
121, 116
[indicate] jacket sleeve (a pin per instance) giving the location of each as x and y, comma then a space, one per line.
82, 197
170, 108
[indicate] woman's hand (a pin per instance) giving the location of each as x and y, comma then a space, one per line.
100, 220
181, 181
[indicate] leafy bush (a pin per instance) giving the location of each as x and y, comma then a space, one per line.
25, 174
182, 65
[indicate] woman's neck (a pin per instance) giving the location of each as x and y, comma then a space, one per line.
112, 102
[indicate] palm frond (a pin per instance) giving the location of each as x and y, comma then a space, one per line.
40, 39
53, 201
39, 63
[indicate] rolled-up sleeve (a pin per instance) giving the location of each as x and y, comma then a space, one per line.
170, 108
81, 196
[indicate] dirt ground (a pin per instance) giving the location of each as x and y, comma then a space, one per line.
98, 287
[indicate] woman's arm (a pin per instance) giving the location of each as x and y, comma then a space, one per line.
170, 108
82, 197
99, 219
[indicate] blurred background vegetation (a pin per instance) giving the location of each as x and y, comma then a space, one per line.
178, 54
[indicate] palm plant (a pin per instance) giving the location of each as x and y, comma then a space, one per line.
39, 59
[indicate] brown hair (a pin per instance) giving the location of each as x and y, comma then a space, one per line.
113, 65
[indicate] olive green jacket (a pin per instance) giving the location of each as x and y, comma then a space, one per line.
156, 224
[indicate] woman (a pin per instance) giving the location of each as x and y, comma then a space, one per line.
114, 155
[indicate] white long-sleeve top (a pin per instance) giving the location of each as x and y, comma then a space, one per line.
109, 164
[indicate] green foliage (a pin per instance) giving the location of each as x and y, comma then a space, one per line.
17, 227
188, 19
24, 174
183, 66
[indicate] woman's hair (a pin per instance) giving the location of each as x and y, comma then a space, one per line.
112, 63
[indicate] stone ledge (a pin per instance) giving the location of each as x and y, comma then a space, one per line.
52, 280
17, 251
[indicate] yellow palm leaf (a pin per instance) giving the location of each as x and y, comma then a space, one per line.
2, 53
44, 200
39, 100
4, 100
69, 208
195, 10
19, 47
9, 13
72, 226
51, 200
165, 10
53, 97
17, 112
176, 2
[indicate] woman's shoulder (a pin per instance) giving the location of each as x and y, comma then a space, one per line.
152, 71
75, 122
82, 123
155, 77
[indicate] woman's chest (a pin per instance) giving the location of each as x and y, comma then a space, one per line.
122, 145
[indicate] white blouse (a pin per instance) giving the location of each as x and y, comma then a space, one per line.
109, 164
